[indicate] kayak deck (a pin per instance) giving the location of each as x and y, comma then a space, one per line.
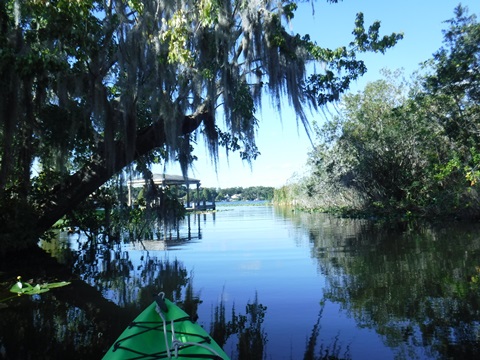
164, 331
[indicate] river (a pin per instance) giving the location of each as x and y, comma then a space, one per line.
306, 285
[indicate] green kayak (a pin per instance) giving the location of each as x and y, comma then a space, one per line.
164, 331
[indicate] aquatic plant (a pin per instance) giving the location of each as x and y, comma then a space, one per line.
26, 288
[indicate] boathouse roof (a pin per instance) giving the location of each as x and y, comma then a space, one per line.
164, 179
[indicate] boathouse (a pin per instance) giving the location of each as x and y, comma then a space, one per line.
162, 180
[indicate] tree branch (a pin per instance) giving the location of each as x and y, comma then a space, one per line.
77, 187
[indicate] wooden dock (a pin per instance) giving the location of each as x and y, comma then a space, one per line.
204, 206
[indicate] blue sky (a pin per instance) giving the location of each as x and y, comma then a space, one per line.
282, 144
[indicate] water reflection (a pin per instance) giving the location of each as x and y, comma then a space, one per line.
106, 263
78, 321
412, 284
322, 351
49, 328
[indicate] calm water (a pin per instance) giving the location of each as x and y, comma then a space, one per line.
365, 291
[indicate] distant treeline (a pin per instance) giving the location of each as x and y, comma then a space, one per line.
231, 194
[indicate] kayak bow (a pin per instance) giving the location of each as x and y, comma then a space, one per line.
164, 331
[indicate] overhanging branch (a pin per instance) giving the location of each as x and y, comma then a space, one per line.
78, 186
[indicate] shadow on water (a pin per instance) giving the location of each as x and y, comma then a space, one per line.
83, 319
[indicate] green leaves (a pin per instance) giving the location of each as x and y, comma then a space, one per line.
456, 64
341, 64
26, 288
177, 36
179, 33
395, 150
370, 40
289, 10
379, 152
208, 12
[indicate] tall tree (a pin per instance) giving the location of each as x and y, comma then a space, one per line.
454, 87
88, 86
409, 150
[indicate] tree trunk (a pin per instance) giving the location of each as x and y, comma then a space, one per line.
66, 196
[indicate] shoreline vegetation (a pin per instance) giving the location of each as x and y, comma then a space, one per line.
403, 148
374, 213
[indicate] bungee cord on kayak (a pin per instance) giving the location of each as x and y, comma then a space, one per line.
182, 339
176, 343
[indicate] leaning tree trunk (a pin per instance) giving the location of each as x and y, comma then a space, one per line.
66, 196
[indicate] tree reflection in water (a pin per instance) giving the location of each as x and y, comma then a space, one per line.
412, 283
85, 318
82, 320
331, 351
251, 336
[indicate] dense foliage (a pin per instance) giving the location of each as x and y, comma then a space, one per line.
91, 86
408, 149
